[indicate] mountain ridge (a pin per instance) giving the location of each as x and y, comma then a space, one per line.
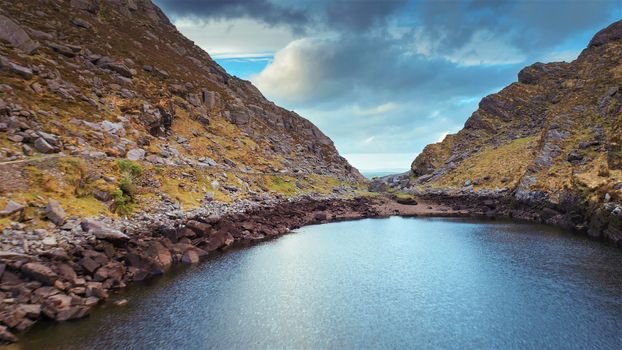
551, 139
99, 82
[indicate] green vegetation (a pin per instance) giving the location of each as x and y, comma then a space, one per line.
124, 197
130, 168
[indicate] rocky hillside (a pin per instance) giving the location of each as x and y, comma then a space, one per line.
108, 109
553, 137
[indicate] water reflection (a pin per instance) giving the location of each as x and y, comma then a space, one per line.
388, 283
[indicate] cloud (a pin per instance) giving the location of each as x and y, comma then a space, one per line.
234, 38
389, 77
376, 110
263, 11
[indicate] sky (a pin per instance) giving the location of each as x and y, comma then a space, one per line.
384, 78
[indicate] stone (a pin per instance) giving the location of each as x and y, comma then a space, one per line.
190, 257
219, 240
160, 254
14, 68
95, 289
39, 272
55, 212
78, 22
113, 270
89, 264
67, 273
103, 232
574, 157
62, 49
13, 33
13, 210
71, 313
200, 228
119, 68
43, 146
6, 335
30, 310
136, 154
121, 302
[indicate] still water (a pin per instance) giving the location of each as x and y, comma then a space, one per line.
381, 283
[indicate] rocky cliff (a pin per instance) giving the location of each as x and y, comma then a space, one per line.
108, 109
551, 139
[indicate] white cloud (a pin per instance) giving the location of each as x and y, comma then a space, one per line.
380, 109
559, 56
381, 161
485, 48
288, 77
246, 57
235, 38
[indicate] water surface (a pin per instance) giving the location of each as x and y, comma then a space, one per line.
381, 283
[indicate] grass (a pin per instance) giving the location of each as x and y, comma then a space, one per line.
506, 162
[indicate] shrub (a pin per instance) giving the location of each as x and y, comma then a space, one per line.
124, 197
129, 168
123, 204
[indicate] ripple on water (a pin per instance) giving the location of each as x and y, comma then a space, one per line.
381, 283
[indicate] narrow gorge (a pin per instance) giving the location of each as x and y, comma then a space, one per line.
125, 149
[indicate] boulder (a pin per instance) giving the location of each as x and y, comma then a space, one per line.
39, 272
13, 68
119, 68
13, 33
30, 310
113, 270
218, 240
103, 232
63, 50
43, 146
136, 154
6, 335
190, 257
13, 210
67, 273
71, 313
160, 254
55, 212
78, 22
95, 289
142, 266
200, 228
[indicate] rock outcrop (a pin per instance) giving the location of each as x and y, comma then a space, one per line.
552, 140
93, 84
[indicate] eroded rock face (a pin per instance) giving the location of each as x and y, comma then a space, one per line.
534, 139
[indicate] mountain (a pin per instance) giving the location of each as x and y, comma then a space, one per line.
553, 139
106, 108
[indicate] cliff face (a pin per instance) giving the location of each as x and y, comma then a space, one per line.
89, 82
553, 136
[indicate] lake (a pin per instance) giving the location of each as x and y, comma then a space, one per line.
374, 283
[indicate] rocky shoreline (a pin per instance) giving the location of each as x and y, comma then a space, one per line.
65, 283
602, 221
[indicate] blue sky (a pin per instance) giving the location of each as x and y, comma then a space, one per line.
385, 78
